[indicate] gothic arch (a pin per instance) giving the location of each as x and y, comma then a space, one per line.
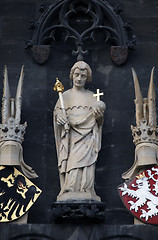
82, 25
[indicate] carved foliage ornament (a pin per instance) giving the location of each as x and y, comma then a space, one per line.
81, 25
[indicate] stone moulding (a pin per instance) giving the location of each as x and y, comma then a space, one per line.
78, 211
81, 25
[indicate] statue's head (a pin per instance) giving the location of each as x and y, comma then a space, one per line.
81, 65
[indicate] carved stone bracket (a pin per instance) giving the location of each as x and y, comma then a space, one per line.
81, 25
77, 211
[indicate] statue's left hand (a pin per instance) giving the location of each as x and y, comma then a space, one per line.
98, 109
97, 113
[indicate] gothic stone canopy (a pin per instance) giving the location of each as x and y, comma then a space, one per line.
81, 26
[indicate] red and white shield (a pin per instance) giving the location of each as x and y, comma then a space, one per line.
140, 195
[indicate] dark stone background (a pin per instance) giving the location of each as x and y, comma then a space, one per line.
117, 153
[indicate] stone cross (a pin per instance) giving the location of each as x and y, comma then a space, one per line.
98, 94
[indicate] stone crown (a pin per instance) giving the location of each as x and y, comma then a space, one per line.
12, 131
144, 133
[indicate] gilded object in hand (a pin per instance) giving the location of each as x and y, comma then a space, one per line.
58, 86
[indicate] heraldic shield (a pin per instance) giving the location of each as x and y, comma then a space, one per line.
119, 54
140, 195
17, 194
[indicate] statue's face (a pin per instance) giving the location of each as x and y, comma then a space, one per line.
79, 77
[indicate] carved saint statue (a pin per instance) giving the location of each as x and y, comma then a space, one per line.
145, 134
11, 131
78, 120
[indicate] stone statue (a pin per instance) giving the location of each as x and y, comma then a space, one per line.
78, 120
145, 134
11, 131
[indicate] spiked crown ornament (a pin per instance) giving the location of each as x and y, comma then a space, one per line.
11, 129
146, 129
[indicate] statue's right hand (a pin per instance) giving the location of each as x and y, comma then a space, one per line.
61, 119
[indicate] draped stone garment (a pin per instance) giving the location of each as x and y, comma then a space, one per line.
78, 150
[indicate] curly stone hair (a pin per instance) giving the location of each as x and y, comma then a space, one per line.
83, 66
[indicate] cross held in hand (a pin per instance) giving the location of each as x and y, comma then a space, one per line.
98, 94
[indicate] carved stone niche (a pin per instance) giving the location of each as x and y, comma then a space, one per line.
81, 26
78, 211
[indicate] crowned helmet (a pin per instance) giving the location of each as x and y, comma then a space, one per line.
146, 129
11, 129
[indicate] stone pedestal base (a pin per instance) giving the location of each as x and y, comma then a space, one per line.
78, 211
78, 196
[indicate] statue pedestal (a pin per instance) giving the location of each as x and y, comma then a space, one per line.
78, 211
78, 196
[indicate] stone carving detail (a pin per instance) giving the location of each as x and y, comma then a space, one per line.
84, 25
78, 120
145, 133
119, 54
11, 131
87, 211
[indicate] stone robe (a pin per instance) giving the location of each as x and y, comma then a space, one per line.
77, 150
